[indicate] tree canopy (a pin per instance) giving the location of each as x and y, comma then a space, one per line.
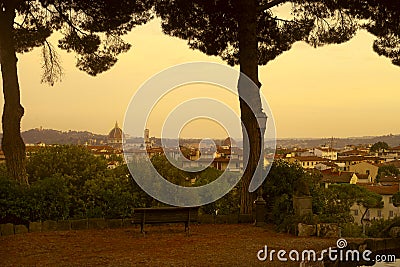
212, 26
91, 29
379, 146
388, 170
248, 33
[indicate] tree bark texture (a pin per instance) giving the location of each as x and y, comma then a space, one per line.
248, 60
12, 144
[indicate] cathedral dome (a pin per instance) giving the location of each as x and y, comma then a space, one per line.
115, 135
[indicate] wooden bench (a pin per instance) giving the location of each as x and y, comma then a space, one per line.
165, 215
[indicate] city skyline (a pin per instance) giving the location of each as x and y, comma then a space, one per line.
341, 90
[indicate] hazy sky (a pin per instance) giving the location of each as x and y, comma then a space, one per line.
337, 90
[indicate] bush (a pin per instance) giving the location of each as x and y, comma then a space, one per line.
351, 230
228, 204
66, 160
14, 203
68, 182
110, 197
377, 228
49, 199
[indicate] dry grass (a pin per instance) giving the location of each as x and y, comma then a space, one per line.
208, 245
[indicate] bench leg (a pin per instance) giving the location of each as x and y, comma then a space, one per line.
187, 228
142, 228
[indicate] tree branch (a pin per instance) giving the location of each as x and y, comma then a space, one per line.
68, 21
270, 5
286, 21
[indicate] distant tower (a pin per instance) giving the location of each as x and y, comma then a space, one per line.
146, 135
115, 137
147, 138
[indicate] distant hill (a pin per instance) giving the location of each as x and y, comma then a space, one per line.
49, 136
391, 140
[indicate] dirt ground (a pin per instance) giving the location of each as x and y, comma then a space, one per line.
208, 245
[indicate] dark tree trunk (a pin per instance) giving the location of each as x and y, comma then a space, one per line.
12, 144
248, 60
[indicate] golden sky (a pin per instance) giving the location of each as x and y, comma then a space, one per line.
338, 90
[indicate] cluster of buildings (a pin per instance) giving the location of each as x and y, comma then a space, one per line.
224, 156
354, 165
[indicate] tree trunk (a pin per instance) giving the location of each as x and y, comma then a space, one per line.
12, 144
248, 60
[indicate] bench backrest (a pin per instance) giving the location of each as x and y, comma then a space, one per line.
165, 215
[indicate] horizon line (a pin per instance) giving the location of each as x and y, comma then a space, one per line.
235, 138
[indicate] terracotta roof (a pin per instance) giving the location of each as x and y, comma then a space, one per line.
362, 176
329, 164
223, 150
351, 158
354, 152
155, 150
373, 158
229, 142
395, 148
382, 189
389, 179
221, 160
299, 150
135, 150
326, 149
396, 163
336, 177
309, 158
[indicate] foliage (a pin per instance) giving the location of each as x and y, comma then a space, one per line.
387, 170
330, 207
168, 171
212, 26
69, 182
70, 160
13, 203
247, 32
91, 29
396, 199
351, 230
379, 146
110, 197
376, 228
284, 181
181, 177
49, 199
228, 204
333, 204
329, 204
